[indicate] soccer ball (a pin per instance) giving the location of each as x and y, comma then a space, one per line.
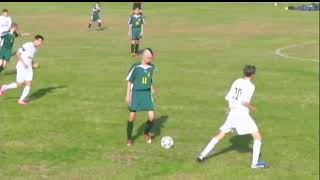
167, 142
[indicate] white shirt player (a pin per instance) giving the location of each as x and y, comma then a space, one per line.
5, 23
27, 52
241, 91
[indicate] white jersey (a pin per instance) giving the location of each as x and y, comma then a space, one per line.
241, 91
27, 52
5, 23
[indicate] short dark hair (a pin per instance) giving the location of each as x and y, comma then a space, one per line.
37, 37
249, 70
150, 50
5, 10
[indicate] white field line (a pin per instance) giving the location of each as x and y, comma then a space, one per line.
280, 53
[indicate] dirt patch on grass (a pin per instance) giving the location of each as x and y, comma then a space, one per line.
41, 169
122, 157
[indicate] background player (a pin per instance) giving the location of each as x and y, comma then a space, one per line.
95, 16
139, 93
5, 22
24, 68
136, 25
8, 41
239, 98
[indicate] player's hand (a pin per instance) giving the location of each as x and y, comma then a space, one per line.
253, 108
35, 65
129, 34
128, 99
153, 90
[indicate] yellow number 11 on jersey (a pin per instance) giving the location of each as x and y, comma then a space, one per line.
144, 80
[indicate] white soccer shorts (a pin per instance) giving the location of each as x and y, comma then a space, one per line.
24, 74
241, 121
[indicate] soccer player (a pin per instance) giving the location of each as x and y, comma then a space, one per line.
8, 41
5, 22
24, 69
139, 94
95, 16
239, 98
136, 24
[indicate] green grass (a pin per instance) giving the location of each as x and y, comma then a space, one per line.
75, 126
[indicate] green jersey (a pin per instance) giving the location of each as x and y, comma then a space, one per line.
96, 12
141, 76
8, 39
136, 21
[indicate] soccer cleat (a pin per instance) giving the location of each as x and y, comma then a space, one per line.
130, 142
1, 92
23, 102
148, 138
200, 160
261, 164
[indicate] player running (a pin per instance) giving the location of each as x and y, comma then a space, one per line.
8, 41
136, 25
95, 16
239, 98
5, 22
139, 94
24, 68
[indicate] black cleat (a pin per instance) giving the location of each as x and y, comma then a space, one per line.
200, 160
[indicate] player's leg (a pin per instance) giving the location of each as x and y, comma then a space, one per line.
149, 125
14, 85
256, 163
136, 47
132, 47
25, 93
99, 23
132, 118
90, 24
1, 65
209, 147
256, 147
5, 56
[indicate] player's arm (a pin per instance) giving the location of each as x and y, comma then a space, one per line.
130, 27
130, 78
250, 106
141, 33
246, 102
129, 92
130, 30
18, 54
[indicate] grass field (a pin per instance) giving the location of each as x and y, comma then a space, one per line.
75, 126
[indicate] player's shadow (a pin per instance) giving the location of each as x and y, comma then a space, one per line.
238, 143
42, 92
156, 129
9, 72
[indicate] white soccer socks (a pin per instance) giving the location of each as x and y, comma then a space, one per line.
256, 151
6, 87
209, 147
25, 93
